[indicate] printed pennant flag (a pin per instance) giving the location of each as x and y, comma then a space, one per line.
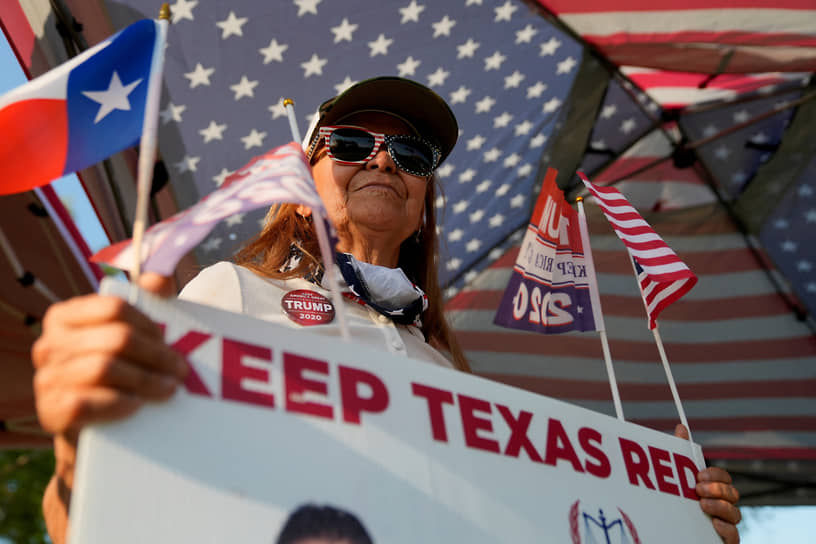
550, 287
78, 113
662, 276
280, 175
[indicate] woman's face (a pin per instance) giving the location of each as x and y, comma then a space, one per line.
373, 203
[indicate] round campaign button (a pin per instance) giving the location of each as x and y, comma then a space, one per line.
306, 307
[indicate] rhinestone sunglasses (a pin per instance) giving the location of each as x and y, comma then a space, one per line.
355, 145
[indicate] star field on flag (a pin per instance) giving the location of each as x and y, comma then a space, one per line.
503, 69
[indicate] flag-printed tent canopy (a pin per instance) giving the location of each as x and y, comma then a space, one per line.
704, 36
717, 161
44, 259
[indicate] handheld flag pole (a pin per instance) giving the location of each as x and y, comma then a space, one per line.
289, 106
665, 362
661, 276
322, 239
147, 145
596, 303
553, 288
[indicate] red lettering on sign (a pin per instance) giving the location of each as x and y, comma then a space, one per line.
559, 446
472, 424
601, 468
234, 371
518, 434
296, 385
661, 461
686, 468
184, 345
435, 397
353, 403
636, 461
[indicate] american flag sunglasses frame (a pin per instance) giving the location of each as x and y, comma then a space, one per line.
419, 146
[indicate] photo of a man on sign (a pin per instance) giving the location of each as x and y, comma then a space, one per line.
316, 524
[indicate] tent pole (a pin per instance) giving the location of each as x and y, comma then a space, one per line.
750, 241
749, 122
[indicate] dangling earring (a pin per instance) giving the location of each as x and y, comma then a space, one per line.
418, 235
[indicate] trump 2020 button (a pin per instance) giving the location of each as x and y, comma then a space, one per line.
306, 307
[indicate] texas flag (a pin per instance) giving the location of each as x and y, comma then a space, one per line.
78, 113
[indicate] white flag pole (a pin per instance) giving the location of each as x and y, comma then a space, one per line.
322, 240
596, 305
664, 360
147, 145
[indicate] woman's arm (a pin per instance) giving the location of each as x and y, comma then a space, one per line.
97, 359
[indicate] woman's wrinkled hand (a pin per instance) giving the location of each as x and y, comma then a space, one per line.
98, 359
718, 497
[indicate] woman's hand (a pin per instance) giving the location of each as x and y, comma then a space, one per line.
718, 498
97, 359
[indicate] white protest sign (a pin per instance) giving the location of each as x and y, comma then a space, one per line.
272, 418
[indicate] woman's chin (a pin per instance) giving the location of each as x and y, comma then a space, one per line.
377, 191
381, 218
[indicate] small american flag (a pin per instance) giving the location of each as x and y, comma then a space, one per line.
662, 276
277, 176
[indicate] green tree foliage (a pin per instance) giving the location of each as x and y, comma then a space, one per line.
23, 477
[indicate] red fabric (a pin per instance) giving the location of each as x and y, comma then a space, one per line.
18, 32
29, 155
589, 6
715, 36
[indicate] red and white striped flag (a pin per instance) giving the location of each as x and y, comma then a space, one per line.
280, 175
662, 276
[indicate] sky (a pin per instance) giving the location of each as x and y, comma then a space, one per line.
761, 525
777, 524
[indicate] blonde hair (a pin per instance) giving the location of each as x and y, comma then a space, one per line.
270, 250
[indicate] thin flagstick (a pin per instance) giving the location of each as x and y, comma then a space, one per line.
322, 240
596, 304
665, 361
289, 106
331, 271
147, 145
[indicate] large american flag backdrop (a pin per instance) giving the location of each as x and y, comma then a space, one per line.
745, 366
504, 70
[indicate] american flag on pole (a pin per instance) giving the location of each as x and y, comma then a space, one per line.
662, 276
277, 176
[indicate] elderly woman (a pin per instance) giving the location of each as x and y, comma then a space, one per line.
373, 152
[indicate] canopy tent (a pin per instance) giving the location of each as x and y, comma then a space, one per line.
537, 85
43, 256
44, 259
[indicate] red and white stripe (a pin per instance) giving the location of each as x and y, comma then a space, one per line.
696, 35
659, 295
745, 367
664, 277
661, 186
679, 89
653, 254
